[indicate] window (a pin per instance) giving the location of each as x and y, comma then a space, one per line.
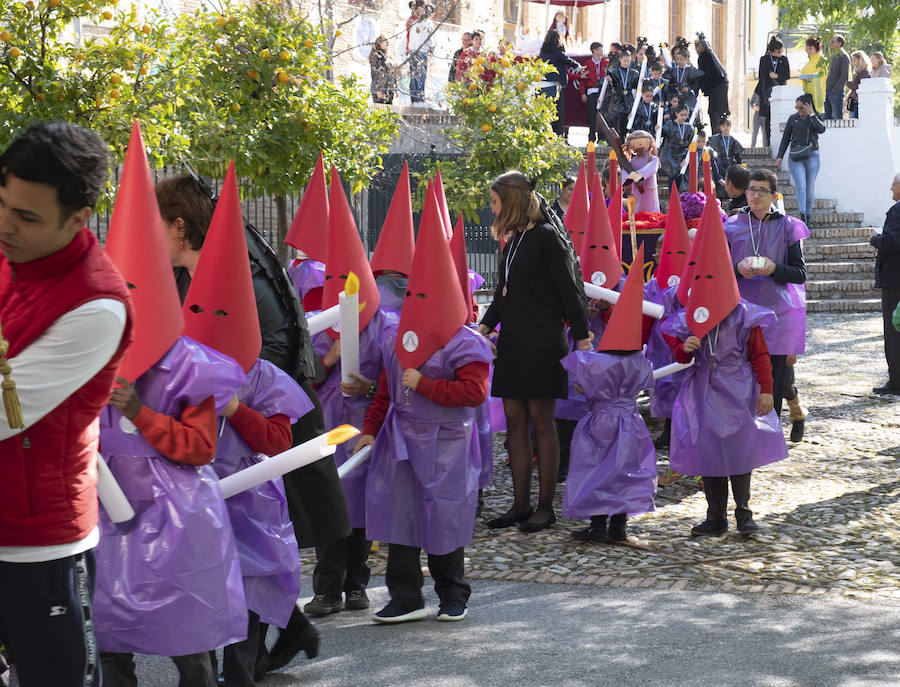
511, 11
717, 39
628, 12
676, 20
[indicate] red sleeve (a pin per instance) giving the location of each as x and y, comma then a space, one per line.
378, 407
646, 327
677, 346
469, 387
604, 67
759, 359
267, 435
189, 439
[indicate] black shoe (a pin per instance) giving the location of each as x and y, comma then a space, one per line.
509, 519
797, 429
591, 533
886, 389
397, 613
299, 635
617, 532
747, 525
532, 525
324, 604
452, 611
664, 438
708, 527
357, 600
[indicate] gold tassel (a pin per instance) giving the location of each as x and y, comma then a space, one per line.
10, 398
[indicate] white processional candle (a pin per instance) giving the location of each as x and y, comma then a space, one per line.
671, 369
354, 461
323, 320
637, 94
111, 495
349, 305
654, 310
296, 457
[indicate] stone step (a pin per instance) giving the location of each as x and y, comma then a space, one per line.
840, 288
790, 201
841, 269
839, 234
758, 151
815, 251
830, 219
843, 305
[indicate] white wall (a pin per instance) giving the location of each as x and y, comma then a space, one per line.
858, 157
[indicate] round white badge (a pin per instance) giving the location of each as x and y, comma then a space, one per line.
410, 341
701, 315
127, 425
598, 278
673, 280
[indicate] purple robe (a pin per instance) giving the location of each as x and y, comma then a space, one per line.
169, 580
576, 406
475, 281
646, 165
612, 463
787, 335
659, 354
715, 428
422, 487
267, 547
307, 275
340, 410
392, 291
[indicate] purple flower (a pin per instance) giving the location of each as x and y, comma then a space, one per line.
692, 205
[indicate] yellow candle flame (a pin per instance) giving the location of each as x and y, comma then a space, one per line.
612, 155
351, 286
591, 147
340, 434
706, 156
693, 147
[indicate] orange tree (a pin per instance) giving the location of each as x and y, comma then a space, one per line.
253, 86
503, 124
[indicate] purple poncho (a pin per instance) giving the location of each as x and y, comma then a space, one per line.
658, 352
612, 464
307, 275
169, 580
392, 291
422, 488
339, 410
787, 335
715, 428
270, 559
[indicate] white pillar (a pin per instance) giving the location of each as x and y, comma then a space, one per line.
876, 124
781, 106
876, 103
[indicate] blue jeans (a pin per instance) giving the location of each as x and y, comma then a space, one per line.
804, 173
834, 104
418, 70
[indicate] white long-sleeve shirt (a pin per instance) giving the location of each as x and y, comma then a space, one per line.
420, 36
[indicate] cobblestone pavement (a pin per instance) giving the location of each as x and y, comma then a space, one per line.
828, 513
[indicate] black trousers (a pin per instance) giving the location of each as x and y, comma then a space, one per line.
716, 490
341, 565
46, 621
564, 430
779, 373
789, 390
239, 659
592, 115
194, 670
404, 576
889, 299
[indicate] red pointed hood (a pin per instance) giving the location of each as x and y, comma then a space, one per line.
713, 290
220, 307
577, 213
676, 244
600, 262
460, 261
687, 274
397, 242
615, 215
433, 310
308, 230
346, 254
623, 331
136, 243
442, 204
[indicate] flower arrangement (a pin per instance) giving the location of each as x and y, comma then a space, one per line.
692, 205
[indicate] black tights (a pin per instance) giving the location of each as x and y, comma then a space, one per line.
540, 411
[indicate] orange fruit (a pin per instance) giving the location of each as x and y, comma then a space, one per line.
235, 107
265, 53
107, 15
284, 77
145, 28
114, 79
114, 93
253, 74
492, 108
15, 52
5, 36
284, 55
221, 21
485, 127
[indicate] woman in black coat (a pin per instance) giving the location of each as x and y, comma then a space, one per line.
540, 287
714, 82
774, 70
554, 83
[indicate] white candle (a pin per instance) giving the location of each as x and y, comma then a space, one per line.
355, 461
323, 320
671, 369
296, 457
111, 495
349, 306
637, 94
654, 310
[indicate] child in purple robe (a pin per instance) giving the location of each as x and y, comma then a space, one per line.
640, 146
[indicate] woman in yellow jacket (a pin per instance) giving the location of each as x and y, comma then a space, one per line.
813, 75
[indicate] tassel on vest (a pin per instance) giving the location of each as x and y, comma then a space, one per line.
10, 398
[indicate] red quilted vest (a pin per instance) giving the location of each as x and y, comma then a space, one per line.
48, 489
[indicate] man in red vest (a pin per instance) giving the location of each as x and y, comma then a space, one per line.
64, 308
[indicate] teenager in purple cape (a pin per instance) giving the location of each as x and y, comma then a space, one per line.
612, 469
169, 580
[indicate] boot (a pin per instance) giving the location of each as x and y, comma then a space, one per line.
596, 532
617, 532
662, 441
716, 490
740, 488
299, 635
798, 418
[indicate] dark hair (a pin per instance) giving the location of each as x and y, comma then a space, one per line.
775, 44
604, 175
617, 46
807, 99
814, 42
647, 88
181, 196
519, 204
766, 175
67, 157
551, 41
467, 33
739, 176
724, 120
681, 107
596, 45
655, 65
701, 133
477, 33
839, 38
567, 181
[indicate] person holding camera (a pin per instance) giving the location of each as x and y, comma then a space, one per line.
801, 133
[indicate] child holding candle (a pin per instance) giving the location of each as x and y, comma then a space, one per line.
683, 78
677, 137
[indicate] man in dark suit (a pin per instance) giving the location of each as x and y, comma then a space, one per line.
887, 278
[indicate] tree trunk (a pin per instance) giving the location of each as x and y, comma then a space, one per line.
283, 250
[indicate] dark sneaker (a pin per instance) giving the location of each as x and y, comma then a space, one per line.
452, 611
887, 390
397, 613
746, 525
708, 527
324, 604
798, 427
592, 534
357, 600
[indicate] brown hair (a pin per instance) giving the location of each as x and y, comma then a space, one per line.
181, 196
519, 206
814, 42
